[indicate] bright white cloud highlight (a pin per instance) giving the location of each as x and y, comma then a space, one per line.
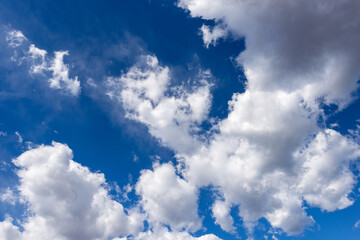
327, 179
67, 201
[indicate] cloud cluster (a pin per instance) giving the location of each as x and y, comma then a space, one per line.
66, 201
41, 65
269, 157
264, 157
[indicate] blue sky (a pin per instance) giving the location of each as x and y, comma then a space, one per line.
189, 119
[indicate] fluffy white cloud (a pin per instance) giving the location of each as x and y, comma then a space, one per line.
39, 63
8, 230
66, 200
60, 75
172, 115
168, 199
327, 179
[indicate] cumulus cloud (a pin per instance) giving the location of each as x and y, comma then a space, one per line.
271, 154
8, 230
69, 202
268, 157
327, 179
161, 190
172, 114
270, 147
303, 46
39, 63
20, 139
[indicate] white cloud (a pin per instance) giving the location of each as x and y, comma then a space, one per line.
221, 213
327, 179
357, 224
8, 230
267, 153
69, 202
211, 35
172, 115
264, 149
168, 199
91, 82
20, 139
303, 46
8, 196
60, 75
15, 38
39, 63
270, 148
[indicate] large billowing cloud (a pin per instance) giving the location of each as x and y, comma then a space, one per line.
263, 158
306, 46
65, 200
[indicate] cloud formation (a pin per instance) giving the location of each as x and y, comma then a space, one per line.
304, 46
161, 190
65, 200
40, 64
263, 157
171, 113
